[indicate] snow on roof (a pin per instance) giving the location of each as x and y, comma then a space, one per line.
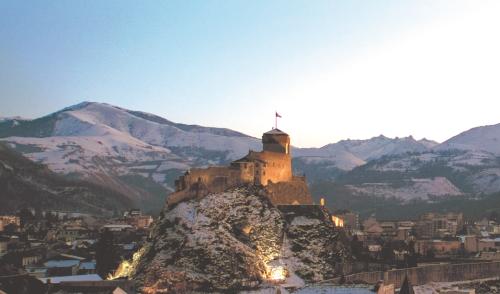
88, 265
118, 226
62, 263
490, 240
130, 246
71, 256
77, 278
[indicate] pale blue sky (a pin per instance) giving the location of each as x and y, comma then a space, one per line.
333, 69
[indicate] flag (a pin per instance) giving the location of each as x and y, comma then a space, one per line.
278, 115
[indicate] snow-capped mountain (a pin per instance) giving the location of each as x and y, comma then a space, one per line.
485, 138
365, 150
140, 154
134, 152
330, 160
467, 164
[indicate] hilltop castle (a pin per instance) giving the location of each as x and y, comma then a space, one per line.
271, 169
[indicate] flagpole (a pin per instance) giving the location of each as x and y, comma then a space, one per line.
275, 120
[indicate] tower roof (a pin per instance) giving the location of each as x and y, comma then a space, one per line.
275, 132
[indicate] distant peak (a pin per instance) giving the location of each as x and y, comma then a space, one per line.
78, 106
381, 137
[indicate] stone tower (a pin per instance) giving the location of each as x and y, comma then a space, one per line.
276, 141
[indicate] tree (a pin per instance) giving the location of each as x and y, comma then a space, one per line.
25, 216
357, 247
106, 255
10, 228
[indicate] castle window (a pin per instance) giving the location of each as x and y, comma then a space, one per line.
245, 165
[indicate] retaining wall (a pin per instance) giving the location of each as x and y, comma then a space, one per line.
430, 273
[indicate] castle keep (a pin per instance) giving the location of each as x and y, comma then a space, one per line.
271, 169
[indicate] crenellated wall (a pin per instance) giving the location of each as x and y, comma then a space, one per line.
290, 192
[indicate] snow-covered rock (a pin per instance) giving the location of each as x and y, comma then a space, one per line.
229, 241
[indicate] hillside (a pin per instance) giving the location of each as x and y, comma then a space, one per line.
132, 152
25, 184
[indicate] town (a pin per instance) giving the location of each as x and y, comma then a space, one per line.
43, 250
64, 250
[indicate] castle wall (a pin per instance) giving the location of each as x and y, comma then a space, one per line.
271, 167
430, 273
215, 179
246, 171
200, 182
290, 192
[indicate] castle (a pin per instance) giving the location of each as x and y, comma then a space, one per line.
270, 169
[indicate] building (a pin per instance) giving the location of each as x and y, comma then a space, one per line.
471, 243
436, 225
372, 228
63, 265
5, 220
349, 219
437, 247
4, 245
118, 227
270, 168
73, 232
488, 244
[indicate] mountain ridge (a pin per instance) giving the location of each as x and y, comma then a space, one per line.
140, 154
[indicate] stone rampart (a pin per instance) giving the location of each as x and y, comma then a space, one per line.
430, 273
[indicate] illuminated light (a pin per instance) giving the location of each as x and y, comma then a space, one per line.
322, 202
247, 229
338, 221
277, 274
126, 267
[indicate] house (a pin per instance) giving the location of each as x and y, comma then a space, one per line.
87, 267
63, 265
4, 242
438, 247
73, 232
72, 278
58, 267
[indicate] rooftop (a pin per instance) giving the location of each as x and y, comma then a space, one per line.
62, 263
77, 278
275, 132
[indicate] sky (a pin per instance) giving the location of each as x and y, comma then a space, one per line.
333, 69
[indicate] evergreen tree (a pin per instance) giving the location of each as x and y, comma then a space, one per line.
107, 258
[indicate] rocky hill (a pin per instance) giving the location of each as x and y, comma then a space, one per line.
25, 184
235, 240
